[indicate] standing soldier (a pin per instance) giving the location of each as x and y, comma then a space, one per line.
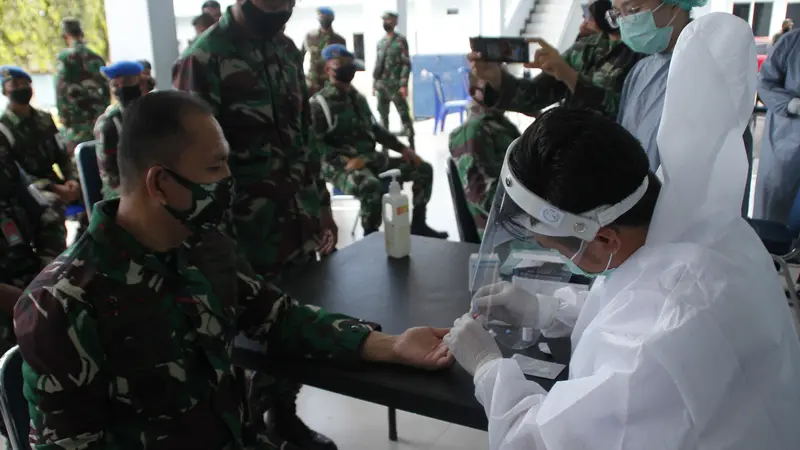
316, 41
125, 83
31, 138
81, 91
281, 202
392, 69
345, 133
148, 83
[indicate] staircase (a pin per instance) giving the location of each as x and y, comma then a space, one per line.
555, 21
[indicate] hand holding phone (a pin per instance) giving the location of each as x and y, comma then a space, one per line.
501, 49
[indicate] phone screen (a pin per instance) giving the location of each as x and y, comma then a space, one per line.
511, 50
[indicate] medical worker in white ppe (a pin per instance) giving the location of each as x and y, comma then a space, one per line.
687, 342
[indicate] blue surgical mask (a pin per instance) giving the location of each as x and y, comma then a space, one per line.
640, 33
576, 270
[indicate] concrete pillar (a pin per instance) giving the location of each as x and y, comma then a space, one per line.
143, 29
779, 8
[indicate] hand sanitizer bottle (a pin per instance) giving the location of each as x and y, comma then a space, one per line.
396, 218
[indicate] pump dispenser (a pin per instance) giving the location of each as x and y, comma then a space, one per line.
396, 218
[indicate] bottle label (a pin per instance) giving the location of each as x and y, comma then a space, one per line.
402, 210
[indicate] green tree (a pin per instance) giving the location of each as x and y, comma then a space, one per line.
30, 30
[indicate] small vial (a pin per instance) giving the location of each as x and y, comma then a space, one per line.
527, 334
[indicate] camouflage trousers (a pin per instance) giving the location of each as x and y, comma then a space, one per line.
388, 95
365, 185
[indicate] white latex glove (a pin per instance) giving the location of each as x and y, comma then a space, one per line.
794, 106
516, 306
471, 345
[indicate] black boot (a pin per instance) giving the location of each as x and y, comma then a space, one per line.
420, 228
283, 421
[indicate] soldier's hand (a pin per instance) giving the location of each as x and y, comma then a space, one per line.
484, 70
549, 60
404, 92
411, 157
354, 164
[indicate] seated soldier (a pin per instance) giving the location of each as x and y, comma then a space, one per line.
478, 148
127, 337
32, 140
31, 236
345, 133
125, 83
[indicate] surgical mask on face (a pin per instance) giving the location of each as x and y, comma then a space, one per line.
345, 73
576, 270
210, 202
127, 94
640, 33
266, 24
21, 96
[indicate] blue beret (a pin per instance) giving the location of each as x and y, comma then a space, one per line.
122, 69
335, 51
13, 73
325, 10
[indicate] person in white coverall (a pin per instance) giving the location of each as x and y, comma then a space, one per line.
689, 343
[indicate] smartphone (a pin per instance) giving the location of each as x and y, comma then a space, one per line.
501, 49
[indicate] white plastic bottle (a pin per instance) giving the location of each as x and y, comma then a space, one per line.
396, 218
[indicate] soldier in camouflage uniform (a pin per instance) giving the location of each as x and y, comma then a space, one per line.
314, 43
252, 76
479, 148
125, 83
589, 75
345, 133
81, 91
31, 138
127, 337
390, 78
31, 236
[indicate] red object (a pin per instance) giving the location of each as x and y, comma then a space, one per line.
761, 59
763, 45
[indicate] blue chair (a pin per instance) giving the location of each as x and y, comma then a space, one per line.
444, 107
13, 405
464, 72
89, 174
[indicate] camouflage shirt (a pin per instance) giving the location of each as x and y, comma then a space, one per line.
602, 65
314, 43
393, 64
354, 131
35, 144
258, 92
479, 149
82, 92
126, 348
107, 131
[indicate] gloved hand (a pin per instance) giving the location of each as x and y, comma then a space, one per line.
794, 106
516, 306
471, 345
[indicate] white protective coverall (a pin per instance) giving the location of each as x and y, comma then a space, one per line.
689, 344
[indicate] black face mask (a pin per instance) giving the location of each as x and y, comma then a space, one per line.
345, 73
151, 84
265, 24
127, 94
325, 23
21, 96
388, 26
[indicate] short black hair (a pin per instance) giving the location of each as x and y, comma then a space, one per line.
598, 11
205, 19
145, 64
212, 4
579, 160
154, 132
72, 27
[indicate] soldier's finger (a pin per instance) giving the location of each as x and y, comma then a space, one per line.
473, 56
542, 43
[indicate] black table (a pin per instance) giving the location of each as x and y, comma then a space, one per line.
428, 288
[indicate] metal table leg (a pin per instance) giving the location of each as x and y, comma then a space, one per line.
392, 424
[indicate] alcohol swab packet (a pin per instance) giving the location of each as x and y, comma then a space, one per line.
538, 368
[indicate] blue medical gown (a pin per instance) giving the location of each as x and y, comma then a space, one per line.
779, 165
642, 101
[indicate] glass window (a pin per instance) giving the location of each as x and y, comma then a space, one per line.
742, 10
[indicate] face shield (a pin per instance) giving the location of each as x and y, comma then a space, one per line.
534, 245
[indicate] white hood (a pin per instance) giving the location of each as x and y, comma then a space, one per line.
709, 101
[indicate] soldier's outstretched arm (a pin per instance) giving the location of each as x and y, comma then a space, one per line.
66, 384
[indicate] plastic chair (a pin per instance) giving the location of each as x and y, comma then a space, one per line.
12, 402
89, 174
464, 72
443, 107
467, 230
